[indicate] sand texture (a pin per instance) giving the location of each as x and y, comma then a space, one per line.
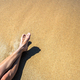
54, 50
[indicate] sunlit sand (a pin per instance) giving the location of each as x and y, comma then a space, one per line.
55, 37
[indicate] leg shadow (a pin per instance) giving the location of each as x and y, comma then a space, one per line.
24, 58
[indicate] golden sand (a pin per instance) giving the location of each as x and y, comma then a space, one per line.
54, 53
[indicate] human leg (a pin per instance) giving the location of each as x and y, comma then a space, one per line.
8, 62
12, 71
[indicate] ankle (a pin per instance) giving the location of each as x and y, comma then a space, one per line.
20, 50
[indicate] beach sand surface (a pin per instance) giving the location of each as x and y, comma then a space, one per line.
54, 50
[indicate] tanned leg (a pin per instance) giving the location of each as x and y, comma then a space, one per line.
15, 57
11, 72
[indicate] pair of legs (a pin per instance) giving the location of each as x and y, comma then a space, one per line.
9, 66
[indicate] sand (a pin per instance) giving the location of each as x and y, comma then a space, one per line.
54, 50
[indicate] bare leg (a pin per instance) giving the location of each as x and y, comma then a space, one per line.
11, 72
8, 62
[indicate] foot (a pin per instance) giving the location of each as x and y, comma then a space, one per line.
24, 41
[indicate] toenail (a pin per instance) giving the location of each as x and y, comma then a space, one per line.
29, 34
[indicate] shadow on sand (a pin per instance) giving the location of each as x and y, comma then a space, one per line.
24, 58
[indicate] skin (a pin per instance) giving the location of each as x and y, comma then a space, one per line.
9, 66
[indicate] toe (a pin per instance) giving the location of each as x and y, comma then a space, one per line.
24, 35
28, 36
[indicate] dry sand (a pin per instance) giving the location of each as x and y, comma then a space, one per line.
54, 52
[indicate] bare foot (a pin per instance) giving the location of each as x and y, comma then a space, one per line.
24, 41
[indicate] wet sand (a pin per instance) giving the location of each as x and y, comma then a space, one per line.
54, 52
